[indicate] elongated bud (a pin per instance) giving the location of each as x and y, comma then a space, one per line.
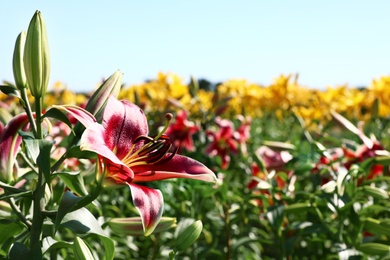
98, 101
188, 236
17, 62
37, 56
133, 226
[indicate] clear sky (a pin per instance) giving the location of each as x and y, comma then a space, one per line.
328, 43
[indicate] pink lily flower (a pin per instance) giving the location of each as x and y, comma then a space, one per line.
126, 155
243, 132
10, 142
223, 141
181, 131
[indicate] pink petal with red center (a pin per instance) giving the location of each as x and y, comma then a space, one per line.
9, 144
149, 203
123, 122
93, 139
178, 167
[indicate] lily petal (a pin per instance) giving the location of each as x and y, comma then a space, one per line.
93, 140
178, 167
82, 115
123, 123
149, 203
9, 145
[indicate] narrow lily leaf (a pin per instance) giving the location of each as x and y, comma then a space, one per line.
19, 251
59, 115
39, 150
74, 181
374, 249
10, 90
81, 221
349, 126
16, 195
375, 192
376, 226
76, 152
49, 243
9, 228
81, 250
342, 174
279, 145
68, 202
43, 159
297, 208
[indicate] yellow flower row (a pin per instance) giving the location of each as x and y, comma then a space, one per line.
169, 92
282, 96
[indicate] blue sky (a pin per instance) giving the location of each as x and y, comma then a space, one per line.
328, 43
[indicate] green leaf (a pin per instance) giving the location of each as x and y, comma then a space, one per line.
342, 174
375, 226
81, 250
81, 221
375, 192
275, 216
16, 195
68, 202
49, 243
75, 152
297, 208
374, 249
19, 251
40, 150
74, 181
59, 115
9, 228
10, 90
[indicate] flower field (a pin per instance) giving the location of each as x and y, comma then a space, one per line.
168, 169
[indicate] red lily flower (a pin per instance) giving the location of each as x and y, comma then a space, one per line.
10, 142
126, 155
223, 141
181, 131
273, 161
243, 132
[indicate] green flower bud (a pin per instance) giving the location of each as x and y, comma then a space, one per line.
98, 101
188, 236
133, 226
17, 62
37, 56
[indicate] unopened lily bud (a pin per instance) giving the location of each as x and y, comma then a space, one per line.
186, 238
37, 56
133, 226
17, 62
98, 101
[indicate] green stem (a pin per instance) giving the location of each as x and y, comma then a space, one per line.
38, 196
28, 110
19, 213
